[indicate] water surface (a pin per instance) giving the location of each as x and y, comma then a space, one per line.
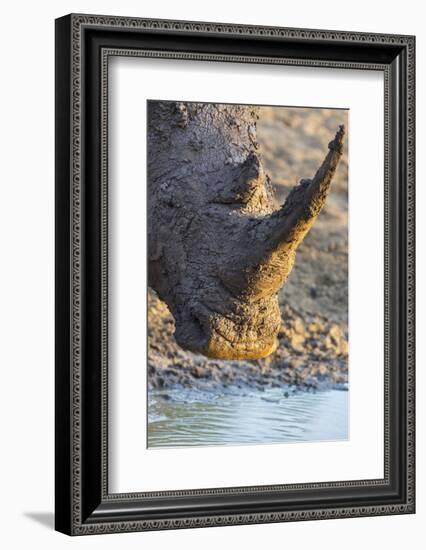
192, 418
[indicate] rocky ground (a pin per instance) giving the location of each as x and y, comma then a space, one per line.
313, 350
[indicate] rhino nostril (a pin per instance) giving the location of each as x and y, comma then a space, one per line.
190, 332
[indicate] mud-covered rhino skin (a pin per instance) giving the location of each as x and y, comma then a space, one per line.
219, 248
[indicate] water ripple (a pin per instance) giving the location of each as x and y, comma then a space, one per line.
186, 418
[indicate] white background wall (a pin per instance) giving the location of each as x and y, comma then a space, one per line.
26, 289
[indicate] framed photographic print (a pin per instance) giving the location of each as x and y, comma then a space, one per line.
234, 274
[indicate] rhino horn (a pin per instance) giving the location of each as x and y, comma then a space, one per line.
270, 256
248, 186
288, 226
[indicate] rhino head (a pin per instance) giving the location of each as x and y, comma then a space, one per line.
219, 250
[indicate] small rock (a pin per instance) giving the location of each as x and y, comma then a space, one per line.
199, 372
297, 341
314, 327
298, 326
322, 370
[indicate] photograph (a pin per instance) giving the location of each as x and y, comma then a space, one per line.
248, 274
234, 273
209, 279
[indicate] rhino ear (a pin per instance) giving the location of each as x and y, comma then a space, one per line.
287, 227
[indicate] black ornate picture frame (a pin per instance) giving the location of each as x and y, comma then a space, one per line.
84, 43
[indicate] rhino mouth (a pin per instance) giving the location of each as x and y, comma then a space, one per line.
230, 337
220, 348
216, 346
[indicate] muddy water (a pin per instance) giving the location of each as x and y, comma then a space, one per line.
186, 418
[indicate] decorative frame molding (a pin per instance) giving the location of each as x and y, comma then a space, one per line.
83, 504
